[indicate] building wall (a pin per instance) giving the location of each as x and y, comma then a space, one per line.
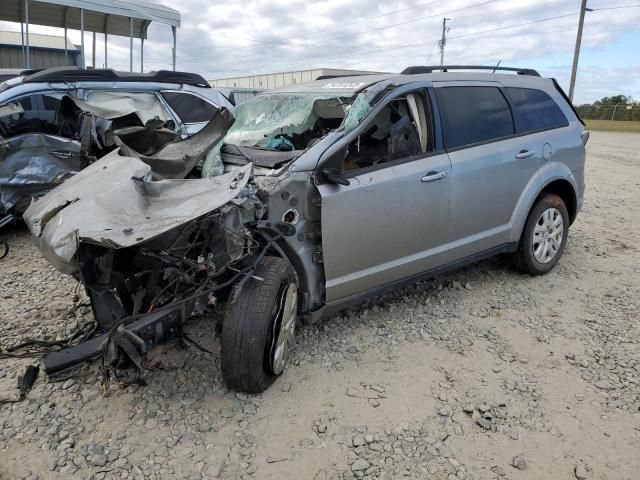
282, 79
12, 57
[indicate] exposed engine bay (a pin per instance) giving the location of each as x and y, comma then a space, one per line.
153, 248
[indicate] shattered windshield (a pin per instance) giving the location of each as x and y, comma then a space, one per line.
261, 120
279, 123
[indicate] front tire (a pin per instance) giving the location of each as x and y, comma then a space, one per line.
259, 327
544, 236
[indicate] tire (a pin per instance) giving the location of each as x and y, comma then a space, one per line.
253, 318
531, 257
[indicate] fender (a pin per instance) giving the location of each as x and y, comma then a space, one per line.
543, 177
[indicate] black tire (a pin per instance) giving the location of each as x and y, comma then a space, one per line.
247, 330
525, 258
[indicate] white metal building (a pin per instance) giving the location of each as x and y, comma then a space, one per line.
46, 51
129, 18
282, 79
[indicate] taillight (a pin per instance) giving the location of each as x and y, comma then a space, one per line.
585, 136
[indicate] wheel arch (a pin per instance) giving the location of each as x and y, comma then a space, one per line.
305, 276
556, 178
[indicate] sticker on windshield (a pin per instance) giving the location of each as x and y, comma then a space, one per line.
345, 85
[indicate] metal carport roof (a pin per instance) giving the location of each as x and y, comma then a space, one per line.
111, 17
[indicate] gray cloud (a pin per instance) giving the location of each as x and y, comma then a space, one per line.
229, 38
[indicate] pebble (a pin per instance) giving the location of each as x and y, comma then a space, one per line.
580, 472
519, 462
359, 465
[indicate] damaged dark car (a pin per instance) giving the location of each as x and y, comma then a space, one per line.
317, 197
55, 122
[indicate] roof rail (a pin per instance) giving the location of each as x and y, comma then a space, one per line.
445, 68
76, 74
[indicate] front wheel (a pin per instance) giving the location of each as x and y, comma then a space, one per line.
259, 327
544, 236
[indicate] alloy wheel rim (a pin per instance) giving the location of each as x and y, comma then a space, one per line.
285, 328
547, 235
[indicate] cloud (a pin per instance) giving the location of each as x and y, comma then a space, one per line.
229, 38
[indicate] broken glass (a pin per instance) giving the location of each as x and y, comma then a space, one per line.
359, 109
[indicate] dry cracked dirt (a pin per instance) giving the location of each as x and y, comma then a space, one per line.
480, 374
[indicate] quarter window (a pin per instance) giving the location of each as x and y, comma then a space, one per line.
473, 114
536, 110
189, 108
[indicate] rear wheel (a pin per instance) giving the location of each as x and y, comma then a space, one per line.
544, 236
259, 327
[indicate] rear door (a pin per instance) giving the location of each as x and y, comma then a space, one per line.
491, 164
391, 221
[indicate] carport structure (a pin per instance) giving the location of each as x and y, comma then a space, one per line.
110, 17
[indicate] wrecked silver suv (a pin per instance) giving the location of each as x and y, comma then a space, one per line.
317, 196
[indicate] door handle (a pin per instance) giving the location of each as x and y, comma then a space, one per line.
525, 154
433, 175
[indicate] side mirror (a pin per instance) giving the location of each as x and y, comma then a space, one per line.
334, 175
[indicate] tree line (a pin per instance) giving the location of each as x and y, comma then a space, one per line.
617, 107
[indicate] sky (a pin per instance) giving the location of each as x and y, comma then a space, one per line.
228, 38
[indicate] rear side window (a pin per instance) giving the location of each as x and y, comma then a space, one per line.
536, 110
473, 114
189, 108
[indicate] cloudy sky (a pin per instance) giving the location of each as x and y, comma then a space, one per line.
228, 38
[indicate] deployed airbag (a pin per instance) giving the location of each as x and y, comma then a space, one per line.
177, 159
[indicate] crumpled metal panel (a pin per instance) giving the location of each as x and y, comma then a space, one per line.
32, 164
177, 159
114, 203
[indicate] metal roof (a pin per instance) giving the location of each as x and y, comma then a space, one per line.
102, 16
37, 41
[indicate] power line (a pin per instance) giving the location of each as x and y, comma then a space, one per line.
433, 42
322, 43
287, 42
616, 8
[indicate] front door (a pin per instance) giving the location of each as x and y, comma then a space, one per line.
392, 219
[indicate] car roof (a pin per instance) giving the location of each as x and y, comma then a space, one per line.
64, 79
350, 85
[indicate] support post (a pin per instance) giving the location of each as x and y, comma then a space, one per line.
131, 44
66, 49
106, 29
173, 29
576, 52
82, 37
443, 40
613, 115
26, 16
22, 52
93, 53
141, 54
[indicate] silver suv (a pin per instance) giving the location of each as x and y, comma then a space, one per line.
318, 196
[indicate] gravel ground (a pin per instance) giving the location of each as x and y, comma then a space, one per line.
481, 374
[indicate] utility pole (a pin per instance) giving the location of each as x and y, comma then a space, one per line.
443, 41
576, 53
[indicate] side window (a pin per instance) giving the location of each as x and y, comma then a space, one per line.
23, 116
536, 109
473, 114
401, 129
190, 108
